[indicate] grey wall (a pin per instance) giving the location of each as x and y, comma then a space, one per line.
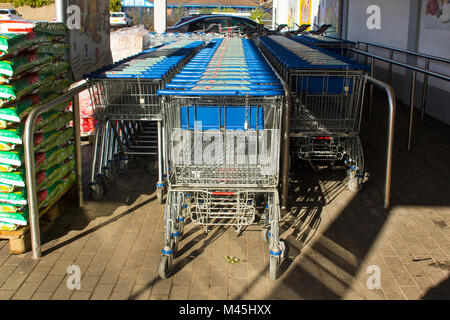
403, 26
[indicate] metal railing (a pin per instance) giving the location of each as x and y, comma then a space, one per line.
29, 160
426, 72
390, 141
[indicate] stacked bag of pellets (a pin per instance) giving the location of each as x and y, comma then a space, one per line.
33, 71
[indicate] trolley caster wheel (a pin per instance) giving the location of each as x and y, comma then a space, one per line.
152, 167
354, 185
122, 166
108, 178
160, 194
102, 183
165, 266
274, 267
113, 169
284, 249
266, 235
131, 158
96, 192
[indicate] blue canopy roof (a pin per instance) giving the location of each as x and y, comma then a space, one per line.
137, 3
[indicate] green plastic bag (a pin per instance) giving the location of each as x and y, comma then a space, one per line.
4, 226
15, 66
12, 139
12, 136
47, 178
32, 83
55, 121
18, 218
58, 29
16, 198
61, 138
7, 167
55, 49
13, 158
13, 179
7, 188
49, 159
17, 111
10, 208
15, 44
48, 196
55, 67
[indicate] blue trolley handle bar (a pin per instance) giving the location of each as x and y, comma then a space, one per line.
259, 93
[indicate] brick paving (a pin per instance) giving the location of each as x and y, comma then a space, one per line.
335, 236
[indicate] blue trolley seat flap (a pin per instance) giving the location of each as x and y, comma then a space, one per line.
220, 117
325, 85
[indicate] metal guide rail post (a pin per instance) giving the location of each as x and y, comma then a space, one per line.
222, 115
425, 71
125, 102
29, 158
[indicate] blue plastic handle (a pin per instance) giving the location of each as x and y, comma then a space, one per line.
254, 93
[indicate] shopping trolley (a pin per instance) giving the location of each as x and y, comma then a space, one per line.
327, 100
223, 145
125, 102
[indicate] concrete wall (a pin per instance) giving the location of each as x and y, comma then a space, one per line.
403, 26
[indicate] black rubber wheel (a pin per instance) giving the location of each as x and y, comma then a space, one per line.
160, 195
274, 267
165, 266
96, 192
354, 185
265, 235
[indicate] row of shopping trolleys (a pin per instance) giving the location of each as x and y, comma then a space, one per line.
125, 103
218, 113
326, 105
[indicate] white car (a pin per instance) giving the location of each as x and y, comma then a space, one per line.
120, 19
10, 14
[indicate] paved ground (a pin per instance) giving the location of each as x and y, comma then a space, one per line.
334, 236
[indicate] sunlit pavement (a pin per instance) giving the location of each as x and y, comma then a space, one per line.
342, 245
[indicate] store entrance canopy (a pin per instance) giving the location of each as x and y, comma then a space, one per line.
137, 3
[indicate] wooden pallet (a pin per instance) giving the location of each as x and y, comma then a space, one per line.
20, 239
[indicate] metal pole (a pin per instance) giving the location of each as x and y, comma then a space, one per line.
160, 153
372, 73
425, 89
365, 58
60, 7
357, 55
160, 15
30, 166
76, 126
390, 141
391, 57
411, 112
286, 148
